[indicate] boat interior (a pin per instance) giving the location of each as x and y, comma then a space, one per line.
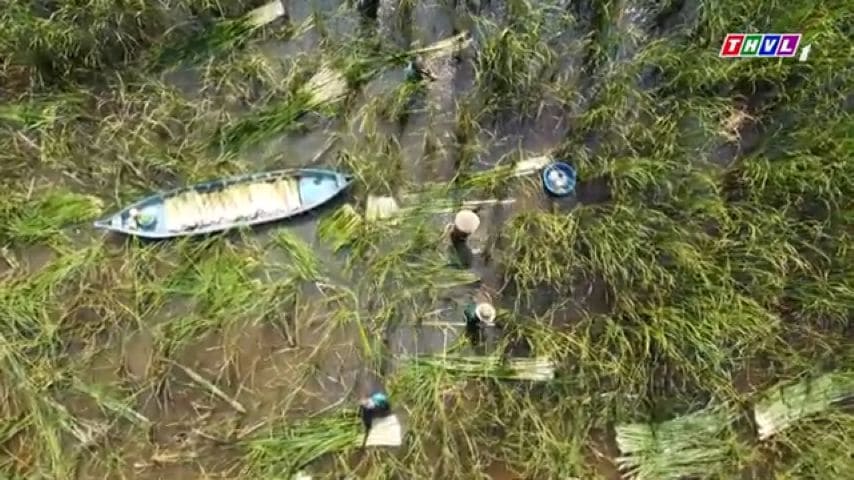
237, 202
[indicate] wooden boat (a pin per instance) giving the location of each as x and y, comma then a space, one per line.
224, 204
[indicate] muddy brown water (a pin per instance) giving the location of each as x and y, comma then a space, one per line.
259, 364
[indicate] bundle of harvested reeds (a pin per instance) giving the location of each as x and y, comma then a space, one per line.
532, 369
385, 432
297, 445
682, 447
379, 208
266, 14
685, 446
786, 404
340, 228
291, 448
325, 86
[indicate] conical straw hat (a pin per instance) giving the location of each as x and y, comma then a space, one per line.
466, 221
485, 313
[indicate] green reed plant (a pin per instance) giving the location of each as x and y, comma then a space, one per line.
34, 220
714, 261
37, 113
562, 434
812, 448
540, 248
698, 444
302, 261
289, 448
60, 43
512, 58
222, 35
32, 309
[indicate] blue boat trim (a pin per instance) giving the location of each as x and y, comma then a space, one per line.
315, 188
562, 171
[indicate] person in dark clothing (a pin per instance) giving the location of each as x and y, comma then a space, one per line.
477, 317
415, 71
371, 408
368, 8
465, 224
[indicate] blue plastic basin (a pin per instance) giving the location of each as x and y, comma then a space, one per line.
559, 179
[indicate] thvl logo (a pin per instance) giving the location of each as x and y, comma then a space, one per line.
772, 45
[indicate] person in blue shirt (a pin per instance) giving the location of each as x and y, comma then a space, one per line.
371, 408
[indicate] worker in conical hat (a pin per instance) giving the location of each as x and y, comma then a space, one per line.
478, 316
485, 313
466, 222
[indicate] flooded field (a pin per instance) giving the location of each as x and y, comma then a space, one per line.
700, 266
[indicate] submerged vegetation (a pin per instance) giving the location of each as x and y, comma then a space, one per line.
686, 315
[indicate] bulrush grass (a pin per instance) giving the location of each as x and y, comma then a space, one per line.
688, 313
288, 450
42, 217
222, 35
350, 66
696, 444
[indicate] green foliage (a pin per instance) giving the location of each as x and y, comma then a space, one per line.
705, 259
287, 450
45, 217
692, 445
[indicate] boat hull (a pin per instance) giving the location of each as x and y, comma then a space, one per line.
235, 202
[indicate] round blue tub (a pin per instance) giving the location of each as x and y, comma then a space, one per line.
559, 179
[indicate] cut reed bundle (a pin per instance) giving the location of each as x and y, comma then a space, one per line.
439, 206
341, 228
385, 432
330, 85
324, 87
444, 47
293, 447
530, 369
685, 446
266, 14
379, 208
787, 404
524, 167
531, 165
